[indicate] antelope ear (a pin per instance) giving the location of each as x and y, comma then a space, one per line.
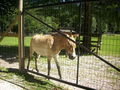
75, 35
69, 34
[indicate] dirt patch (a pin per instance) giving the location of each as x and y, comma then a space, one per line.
4, 85
7, 64
92, 72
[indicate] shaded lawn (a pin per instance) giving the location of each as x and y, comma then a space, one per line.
26, 80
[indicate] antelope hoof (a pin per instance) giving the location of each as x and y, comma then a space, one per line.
37, 70
27, 68
60, 77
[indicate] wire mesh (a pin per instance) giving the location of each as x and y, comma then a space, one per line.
92, 71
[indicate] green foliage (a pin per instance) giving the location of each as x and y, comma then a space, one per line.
8, 11
94, 24
8, 6
105, 16
33, 26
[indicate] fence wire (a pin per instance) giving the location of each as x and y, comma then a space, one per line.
93, 73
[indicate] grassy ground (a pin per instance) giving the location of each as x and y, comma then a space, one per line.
93, 72
26, 81
8, 50
110, 47
110, 44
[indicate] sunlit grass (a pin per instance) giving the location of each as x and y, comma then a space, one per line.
9, 41
110, 44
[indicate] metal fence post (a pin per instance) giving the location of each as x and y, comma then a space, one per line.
21, 37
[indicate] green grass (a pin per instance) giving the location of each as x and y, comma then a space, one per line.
13, 41
9, 41
27, 41
110, 44
26, 81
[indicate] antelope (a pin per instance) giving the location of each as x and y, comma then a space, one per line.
50, 46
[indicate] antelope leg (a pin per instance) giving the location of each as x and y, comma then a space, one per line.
58, 67
29, 59
36, 67
49, 66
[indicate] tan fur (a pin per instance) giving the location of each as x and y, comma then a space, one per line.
49, 45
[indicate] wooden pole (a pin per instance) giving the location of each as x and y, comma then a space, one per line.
21, 37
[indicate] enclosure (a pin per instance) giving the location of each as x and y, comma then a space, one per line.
98, 44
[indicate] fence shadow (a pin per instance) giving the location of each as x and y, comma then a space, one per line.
27, 77
10, 53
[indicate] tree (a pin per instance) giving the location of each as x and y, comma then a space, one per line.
8, 11
107, 15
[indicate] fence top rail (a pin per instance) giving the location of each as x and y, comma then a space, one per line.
60, 3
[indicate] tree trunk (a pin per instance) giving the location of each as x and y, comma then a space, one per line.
87, 26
